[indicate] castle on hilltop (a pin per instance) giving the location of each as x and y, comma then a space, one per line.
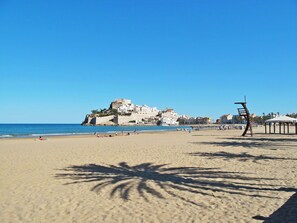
124, 112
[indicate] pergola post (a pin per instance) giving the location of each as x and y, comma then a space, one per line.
274, 128
280, 128
269, 128
284, 128
288, 128
266, 129
296, 128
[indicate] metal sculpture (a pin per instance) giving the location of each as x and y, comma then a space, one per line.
244, 112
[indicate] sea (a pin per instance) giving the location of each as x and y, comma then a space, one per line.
36, 130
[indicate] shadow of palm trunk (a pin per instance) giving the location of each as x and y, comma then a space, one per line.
286, 213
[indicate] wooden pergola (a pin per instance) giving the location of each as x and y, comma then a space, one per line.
282, 121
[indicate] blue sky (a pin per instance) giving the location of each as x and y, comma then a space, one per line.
61, 59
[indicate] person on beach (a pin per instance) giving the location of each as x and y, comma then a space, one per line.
41, 138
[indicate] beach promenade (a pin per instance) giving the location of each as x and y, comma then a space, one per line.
202, 176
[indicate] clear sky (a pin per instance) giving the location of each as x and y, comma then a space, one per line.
61, 59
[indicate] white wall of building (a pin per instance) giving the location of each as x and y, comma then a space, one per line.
126, 120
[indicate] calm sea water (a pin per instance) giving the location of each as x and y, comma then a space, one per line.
33, 130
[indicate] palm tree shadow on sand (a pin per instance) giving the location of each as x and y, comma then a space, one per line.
253, 143
159, 181
244, 156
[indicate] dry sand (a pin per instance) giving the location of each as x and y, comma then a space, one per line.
203, 176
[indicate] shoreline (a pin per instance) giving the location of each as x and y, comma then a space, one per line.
48, 130
103, 130
88, 135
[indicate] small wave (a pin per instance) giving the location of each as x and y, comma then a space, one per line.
61, 134
6, 136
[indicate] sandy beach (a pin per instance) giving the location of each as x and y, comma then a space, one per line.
202, 176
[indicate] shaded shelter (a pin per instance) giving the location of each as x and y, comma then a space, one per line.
281, 121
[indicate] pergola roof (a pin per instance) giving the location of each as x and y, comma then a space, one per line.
282, 118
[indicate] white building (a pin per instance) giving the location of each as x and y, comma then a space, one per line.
226, 119
168, 121
146, 110
168, 117
126, 108
118, 102
130, 113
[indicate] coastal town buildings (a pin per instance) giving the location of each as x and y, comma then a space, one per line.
168, 117
186, 120
226, 119
233, 119
237, 119
125, 106
204, 120
153, 111
118, 102
124, 112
